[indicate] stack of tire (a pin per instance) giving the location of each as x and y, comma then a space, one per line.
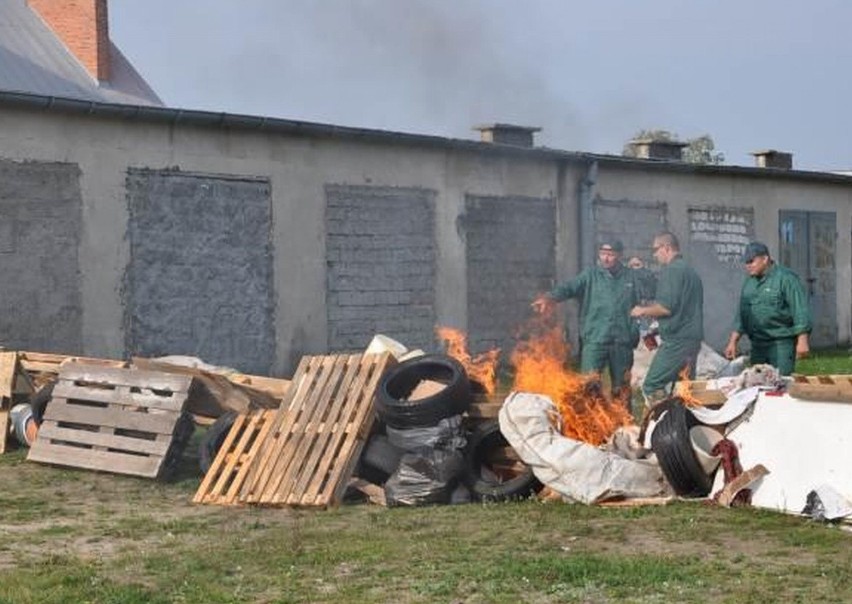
422, 453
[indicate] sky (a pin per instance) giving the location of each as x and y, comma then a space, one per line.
753, 74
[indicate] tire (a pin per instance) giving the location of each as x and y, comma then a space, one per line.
398, 383
213, 439
484, 442
671, 443
39, 401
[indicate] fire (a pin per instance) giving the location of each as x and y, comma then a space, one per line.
683, 389
482, 368
540, 361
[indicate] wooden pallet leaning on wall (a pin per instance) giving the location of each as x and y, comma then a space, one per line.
125, 421
304, 453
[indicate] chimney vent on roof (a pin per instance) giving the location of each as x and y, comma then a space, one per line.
83, 27
770, 158
651, 148
507, 134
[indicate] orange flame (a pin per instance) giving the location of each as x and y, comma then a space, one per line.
482, 368
540, 360
683, 389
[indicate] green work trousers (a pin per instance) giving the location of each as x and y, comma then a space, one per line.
780, 353
671, 357
615, 356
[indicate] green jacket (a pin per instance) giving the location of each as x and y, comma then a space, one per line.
681, 292
773, 306
605, 302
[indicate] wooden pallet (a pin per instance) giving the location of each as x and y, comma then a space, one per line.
828, 388
125, 421
304, 453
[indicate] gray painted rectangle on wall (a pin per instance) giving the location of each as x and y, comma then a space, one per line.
510, 257
728, 230
717, 238
200, 278
380, 257
632, 222
40, 231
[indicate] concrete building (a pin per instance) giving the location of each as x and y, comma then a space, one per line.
132, 228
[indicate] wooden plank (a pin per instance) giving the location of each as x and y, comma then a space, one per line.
172, 401
304, 452
163, 422
285, 463
140, 378
314, 464
302, 441
726, 496
51, 431
267, 425
90, 459
340, 473
4, 430
8, 369
221, 484
312, 494
275, 387
285, 417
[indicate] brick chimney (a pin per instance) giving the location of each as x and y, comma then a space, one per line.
507, 134
83, 27
770, 158
651, 148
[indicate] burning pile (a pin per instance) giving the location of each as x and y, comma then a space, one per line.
540, 364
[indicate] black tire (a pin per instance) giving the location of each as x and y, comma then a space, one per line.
212, 440
39, 401
672, 444
495, 486
381, 455
398, 383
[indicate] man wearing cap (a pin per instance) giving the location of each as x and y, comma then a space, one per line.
679, 309
773, 312
608, 336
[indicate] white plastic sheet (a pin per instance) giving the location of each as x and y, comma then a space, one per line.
576, 470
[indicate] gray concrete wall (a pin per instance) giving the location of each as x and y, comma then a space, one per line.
300, 174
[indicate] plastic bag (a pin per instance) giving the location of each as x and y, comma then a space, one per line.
447, 434
423, 478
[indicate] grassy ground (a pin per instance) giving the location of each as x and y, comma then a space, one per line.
835, 361
76, 536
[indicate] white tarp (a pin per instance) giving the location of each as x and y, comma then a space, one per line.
803, 444
576, 470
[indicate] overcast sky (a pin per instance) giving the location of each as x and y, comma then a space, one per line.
754, 74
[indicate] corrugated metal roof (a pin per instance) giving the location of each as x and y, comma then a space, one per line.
34, 60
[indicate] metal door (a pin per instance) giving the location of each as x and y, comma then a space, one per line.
806, 245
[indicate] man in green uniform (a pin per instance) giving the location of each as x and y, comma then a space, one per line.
679, 310
608, 335
773, 312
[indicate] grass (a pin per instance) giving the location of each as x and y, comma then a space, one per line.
827, 362
75, 536
119, 539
